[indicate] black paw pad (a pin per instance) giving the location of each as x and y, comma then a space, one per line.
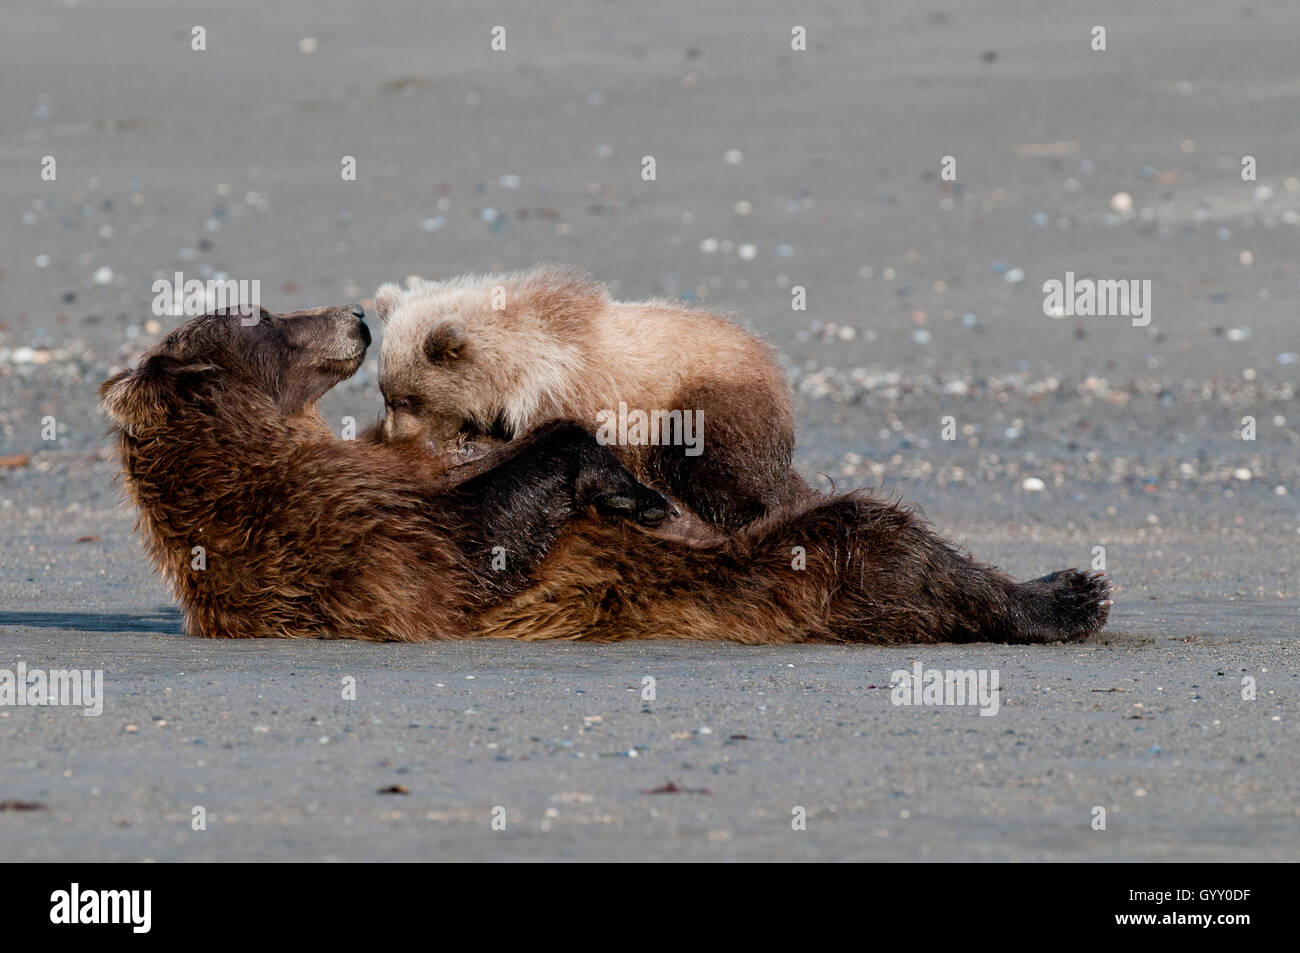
642, 505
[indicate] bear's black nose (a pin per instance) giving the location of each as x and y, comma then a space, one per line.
365, 332
357, 311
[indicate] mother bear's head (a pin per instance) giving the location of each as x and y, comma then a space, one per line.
281, 361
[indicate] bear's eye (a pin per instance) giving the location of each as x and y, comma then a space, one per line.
402, 403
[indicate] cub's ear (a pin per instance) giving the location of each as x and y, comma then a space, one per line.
445, 343
386, 299
139, 400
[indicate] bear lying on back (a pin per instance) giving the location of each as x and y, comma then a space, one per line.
303, 535
688, 400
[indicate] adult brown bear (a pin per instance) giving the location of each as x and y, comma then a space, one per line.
268, 525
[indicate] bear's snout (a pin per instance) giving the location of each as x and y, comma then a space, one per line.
363, 329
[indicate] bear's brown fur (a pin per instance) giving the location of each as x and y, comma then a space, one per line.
497, 356
267, 525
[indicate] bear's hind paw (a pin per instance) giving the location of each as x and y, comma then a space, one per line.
1067, 605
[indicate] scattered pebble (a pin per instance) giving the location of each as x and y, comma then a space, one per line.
672, 787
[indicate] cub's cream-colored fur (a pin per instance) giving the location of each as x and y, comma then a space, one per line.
495, 355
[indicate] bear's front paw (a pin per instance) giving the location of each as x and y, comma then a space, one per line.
635, 502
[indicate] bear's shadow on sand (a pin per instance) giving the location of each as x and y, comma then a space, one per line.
167, 621
163, 619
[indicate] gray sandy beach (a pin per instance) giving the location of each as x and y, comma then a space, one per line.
1166, 445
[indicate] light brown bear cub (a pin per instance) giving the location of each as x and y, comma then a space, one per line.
688, 401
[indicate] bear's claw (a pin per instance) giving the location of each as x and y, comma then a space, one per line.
643, 505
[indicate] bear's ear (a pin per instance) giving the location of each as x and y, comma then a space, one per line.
445, 343
386, 299
138, 400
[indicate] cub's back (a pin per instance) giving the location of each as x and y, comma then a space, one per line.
658, 346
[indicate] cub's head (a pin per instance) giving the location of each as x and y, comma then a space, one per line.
285, 361
482, 357
444, 369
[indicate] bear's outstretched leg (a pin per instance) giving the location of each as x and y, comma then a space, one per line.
515, 500
898, 577
833, 569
